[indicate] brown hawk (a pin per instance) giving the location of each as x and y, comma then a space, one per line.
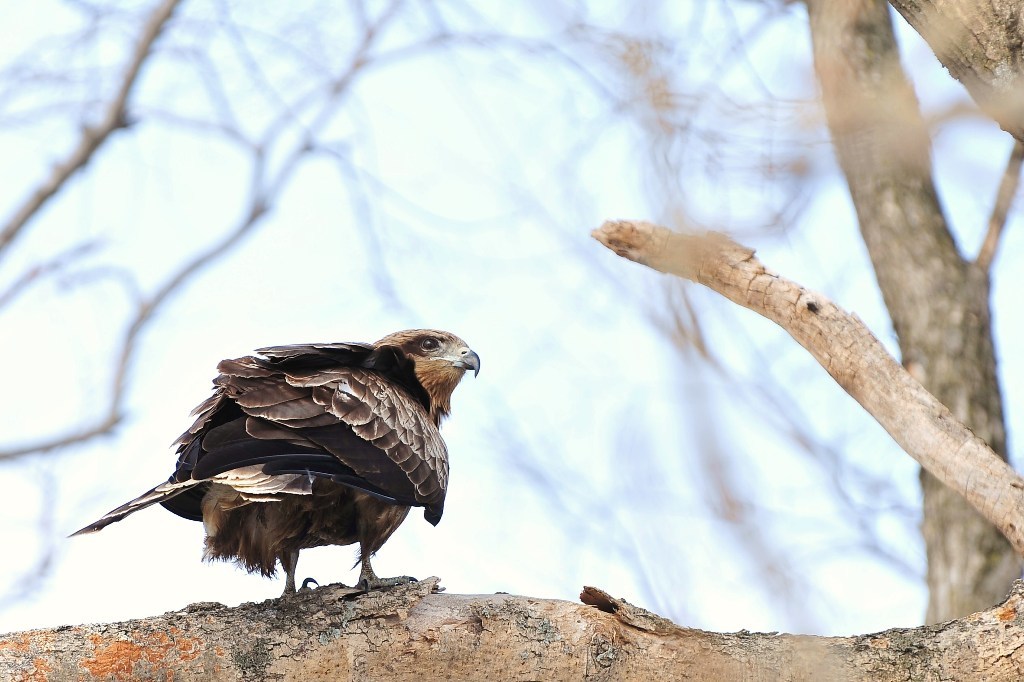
316, 444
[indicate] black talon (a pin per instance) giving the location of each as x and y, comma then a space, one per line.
306, 582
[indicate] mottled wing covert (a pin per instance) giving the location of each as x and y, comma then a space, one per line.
300, 409
387, 417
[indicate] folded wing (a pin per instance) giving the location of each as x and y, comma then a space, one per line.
348, 412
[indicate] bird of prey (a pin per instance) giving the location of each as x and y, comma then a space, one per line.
315, 444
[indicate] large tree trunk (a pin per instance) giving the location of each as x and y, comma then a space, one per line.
413, 633
938, 301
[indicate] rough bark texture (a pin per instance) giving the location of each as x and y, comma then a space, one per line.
850, 353
938, 301
413, 633
980, 43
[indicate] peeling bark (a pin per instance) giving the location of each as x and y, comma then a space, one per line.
415, 633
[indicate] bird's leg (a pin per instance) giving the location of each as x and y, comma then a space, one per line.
289, 560
367, 576
368, 580
376, 521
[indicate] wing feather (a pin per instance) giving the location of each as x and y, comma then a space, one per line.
388, 417
261, 392
242, 367
278, 410
287, 410
351, 412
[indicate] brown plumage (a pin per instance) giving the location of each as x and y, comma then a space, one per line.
318, 444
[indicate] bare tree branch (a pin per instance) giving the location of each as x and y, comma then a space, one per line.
265, 187
1001, 208
840, 342
143, 315
114, 118
414, 633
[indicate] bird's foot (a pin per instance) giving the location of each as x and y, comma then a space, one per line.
306, 585
369, 584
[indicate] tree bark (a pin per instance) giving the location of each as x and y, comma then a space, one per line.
980, 44
414, 633
938, 301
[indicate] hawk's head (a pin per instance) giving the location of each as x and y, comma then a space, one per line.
441, 360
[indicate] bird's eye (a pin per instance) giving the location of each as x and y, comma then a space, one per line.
430, 343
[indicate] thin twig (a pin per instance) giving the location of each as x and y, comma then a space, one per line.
264, 188
1004, 199
37, 272
143, 316
114, 118
31, 578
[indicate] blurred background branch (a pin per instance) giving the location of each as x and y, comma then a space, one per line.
1001, 207
113, 117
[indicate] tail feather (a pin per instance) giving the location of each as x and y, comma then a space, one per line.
162, 492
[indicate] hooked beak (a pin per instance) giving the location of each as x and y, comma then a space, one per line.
467, 359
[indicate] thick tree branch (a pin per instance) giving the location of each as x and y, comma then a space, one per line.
114, 117
840, 342
980, 44
414, 633
1001, 208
